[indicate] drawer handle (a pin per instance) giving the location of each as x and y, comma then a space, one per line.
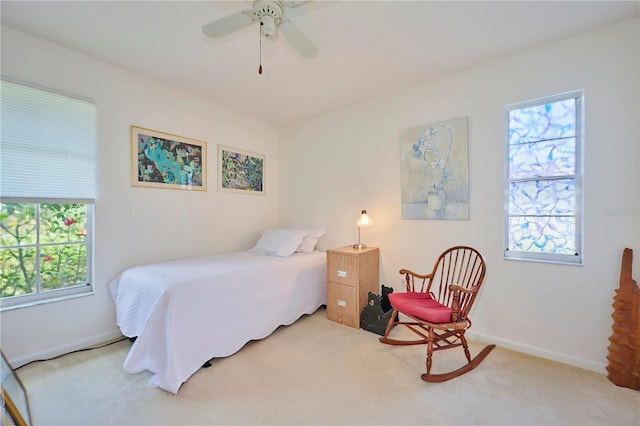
342, 274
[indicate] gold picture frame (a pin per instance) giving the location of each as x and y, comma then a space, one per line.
163, 160
241, 171
15, 403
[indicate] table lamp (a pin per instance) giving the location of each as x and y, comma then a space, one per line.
364, 222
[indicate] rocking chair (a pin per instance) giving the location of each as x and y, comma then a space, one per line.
438, 305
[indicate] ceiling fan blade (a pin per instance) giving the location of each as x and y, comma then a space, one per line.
228, 24
297, 38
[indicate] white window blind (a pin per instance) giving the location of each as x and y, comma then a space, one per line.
47, 144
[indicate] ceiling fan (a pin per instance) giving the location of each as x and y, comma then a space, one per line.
271, 15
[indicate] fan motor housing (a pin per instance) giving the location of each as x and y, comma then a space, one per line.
269, 13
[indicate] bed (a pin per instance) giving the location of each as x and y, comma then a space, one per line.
183, 313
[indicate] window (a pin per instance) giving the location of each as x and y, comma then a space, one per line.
47, 194
543, 186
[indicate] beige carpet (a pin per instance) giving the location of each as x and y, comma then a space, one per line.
317, 372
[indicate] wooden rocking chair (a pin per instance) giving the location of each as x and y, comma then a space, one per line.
438, 305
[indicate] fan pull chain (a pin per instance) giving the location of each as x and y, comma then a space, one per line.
260, 37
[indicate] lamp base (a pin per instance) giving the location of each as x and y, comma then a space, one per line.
359, 246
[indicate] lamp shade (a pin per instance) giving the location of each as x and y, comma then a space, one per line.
365, 221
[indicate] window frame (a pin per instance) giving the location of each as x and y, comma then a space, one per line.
55, 295
578, 257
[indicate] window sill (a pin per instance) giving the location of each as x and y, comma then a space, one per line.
31, 303
578, 262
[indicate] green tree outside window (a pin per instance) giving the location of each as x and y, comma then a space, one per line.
42, 247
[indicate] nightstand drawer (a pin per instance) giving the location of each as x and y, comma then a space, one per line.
342, 268
342, 304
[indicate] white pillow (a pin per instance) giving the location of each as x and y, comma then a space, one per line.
309, 242
279, 242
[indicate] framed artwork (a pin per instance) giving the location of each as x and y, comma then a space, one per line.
240, 171
162, 160
15, 404
435, 171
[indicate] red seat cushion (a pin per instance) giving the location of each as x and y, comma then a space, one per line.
421, 306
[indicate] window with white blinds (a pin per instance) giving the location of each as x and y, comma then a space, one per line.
47, 192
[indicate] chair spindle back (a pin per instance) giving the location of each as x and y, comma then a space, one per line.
460, 265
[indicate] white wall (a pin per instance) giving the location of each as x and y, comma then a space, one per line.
135, 225
336, 165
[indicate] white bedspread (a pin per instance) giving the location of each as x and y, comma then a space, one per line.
186, 312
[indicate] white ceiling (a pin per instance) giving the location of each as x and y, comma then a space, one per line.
366, 48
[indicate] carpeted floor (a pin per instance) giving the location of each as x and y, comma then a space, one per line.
316, 372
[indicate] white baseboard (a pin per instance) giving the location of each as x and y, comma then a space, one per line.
516, 346
542, 353
67, 348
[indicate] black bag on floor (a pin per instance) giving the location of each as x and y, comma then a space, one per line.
375, 316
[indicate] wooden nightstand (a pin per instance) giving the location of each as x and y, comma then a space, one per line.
351, 275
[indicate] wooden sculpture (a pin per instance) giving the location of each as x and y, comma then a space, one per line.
624, 350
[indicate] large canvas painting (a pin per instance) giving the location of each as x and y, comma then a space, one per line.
240, 171
162, 160
435, 171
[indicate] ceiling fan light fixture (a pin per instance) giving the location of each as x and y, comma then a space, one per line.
267, 25
268, 11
